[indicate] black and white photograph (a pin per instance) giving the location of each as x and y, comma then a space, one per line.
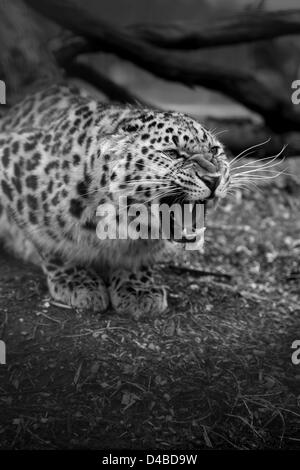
149, 228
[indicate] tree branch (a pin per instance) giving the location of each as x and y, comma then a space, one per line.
108, 87
66, 49
237, 29
242, 86
24, 59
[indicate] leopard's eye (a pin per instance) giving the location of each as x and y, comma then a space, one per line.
214, 150
173, 153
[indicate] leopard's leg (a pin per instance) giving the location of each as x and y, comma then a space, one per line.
74, 285
135, 293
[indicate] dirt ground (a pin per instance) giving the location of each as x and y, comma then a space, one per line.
213, 372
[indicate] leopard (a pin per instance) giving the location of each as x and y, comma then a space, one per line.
63, 154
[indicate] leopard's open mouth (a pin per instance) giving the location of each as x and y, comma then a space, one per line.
187, 225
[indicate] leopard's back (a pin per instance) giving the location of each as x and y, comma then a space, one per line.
47, 161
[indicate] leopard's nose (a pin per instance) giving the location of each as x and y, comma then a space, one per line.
212, 182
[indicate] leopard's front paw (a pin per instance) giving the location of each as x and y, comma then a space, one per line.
135, 294
79, 288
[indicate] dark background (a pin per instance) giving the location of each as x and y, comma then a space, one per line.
260, 56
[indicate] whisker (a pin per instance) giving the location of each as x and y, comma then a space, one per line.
256, 166
256, 175
250, 148
268, 163
215, 134
247, 186
240, 176
257, 163
221, 132
157, 195
135, 182
233, 162
164, 193
262, 173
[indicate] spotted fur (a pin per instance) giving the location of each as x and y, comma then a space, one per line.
62, 154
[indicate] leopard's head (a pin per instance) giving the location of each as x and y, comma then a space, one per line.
166, 157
